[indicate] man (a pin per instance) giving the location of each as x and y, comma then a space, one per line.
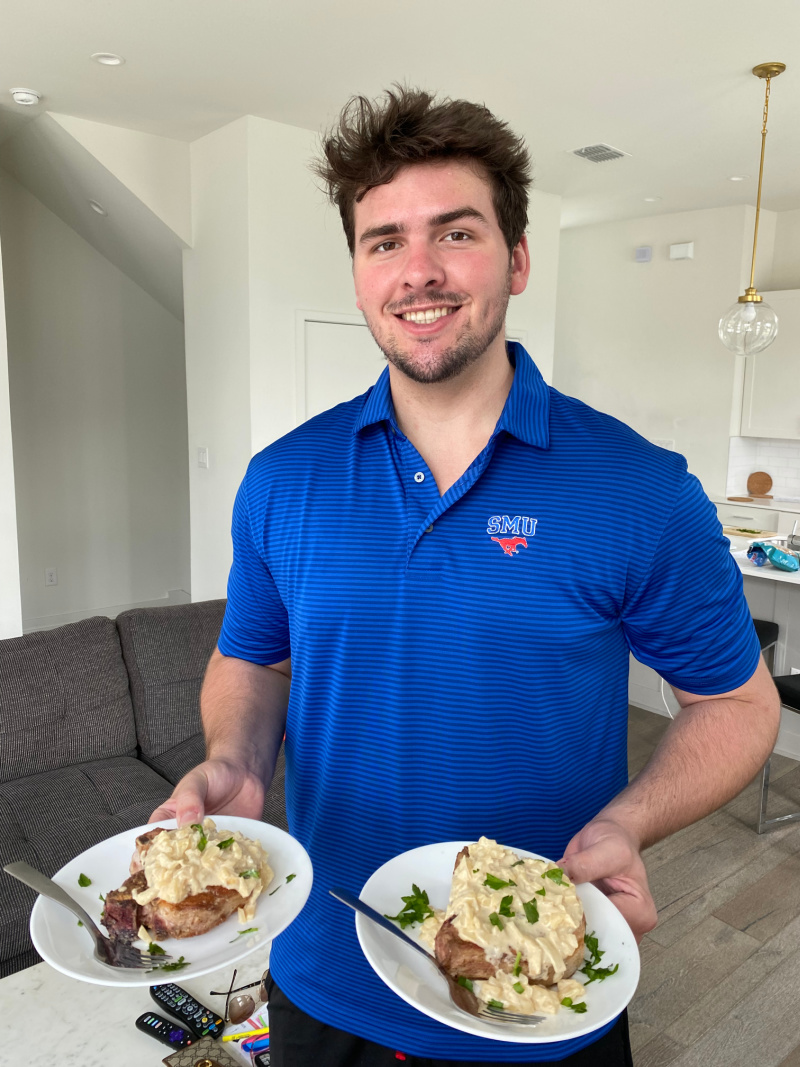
403, 602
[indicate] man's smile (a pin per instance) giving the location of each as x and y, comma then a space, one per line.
427, 314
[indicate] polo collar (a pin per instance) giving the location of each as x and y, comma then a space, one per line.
526, 414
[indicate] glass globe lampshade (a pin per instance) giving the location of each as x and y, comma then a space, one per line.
748, 327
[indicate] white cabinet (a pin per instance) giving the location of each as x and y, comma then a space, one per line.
771, 401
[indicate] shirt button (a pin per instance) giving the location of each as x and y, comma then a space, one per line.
429, 529
419, 477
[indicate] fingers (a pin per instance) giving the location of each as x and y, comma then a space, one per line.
638, 911
187, 803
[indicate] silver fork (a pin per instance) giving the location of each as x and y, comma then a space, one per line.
461, 996
111, 952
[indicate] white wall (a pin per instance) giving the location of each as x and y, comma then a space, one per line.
98, 413
785, 272
217, 317
10, 603
640, 340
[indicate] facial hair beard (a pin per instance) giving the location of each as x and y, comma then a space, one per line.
467, 349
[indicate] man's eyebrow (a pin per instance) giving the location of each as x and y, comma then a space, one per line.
459, 213
389, 229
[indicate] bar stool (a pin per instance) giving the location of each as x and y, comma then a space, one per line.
767, 633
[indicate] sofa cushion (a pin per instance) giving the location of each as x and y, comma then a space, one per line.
166, 652
48, 819
64, 699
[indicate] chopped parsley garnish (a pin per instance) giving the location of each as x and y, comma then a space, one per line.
517, 863
496, 1004
101, 897
226, 843
540, 892
557, 875
505, 907
83, 880
251, 873
495, 920
155, 950
466, 982
289, 877
416, 908
249, 930
80, 923
590, 968
579, 1008
518, 987
517, 965
274, 891
178, 965
531, 911
496, 883
203, 840
476, 870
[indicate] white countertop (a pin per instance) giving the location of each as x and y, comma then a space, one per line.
792, 506
54, 1020
739, 546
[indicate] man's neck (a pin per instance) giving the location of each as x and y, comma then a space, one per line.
449, 423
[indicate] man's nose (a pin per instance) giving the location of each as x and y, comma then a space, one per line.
423, 267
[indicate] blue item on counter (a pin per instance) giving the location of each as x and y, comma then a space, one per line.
256, 1044
761, 553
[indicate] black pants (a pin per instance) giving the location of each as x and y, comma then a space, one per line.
298, 1040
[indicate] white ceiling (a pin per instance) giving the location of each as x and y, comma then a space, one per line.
668, 82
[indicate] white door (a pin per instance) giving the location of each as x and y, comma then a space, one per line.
340, 361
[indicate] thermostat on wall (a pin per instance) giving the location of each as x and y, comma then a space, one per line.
644, 254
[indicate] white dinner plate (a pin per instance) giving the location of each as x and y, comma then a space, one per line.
419, 984
64, 945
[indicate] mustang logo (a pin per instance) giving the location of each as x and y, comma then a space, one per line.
510, 544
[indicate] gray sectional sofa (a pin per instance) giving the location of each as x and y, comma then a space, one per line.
98, 720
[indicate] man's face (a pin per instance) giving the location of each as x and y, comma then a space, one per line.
432, 269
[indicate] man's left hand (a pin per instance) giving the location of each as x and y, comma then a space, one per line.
607, 855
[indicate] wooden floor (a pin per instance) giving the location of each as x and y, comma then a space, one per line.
720, 983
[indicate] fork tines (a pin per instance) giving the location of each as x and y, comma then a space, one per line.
511, 1017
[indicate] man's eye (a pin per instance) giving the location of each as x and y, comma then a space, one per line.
386, 246
457, 235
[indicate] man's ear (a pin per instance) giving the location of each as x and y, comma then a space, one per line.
520, 266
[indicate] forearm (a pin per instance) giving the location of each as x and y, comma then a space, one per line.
710, 752
243, 708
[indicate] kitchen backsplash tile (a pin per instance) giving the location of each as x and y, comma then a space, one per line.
780, 459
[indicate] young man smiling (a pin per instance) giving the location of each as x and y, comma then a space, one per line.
420, 649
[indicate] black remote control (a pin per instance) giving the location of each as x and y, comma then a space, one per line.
200, 1020
163, 1030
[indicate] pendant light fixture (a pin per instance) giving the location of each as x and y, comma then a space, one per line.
750, 325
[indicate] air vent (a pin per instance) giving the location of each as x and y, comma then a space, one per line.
599, 153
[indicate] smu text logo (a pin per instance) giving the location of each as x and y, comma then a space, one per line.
520, 527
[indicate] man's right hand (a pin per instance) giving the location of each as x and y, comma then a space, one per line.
216, 786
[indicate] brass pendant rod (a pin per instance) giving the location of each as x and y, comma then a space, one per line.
760, 178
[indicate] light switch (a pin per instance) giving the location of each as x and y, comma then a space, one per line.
202, 457
684, 251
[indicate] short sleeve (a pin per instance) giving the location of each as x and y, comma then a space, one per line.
256, 625
688, 619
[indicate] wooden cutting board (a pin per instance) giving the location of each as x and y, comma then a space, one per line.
759, 484
738, 531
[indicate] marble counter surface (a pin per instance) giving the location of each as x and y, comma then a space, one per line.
55, 1020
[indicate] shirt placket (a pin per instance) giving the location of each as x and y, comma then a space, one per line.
424, 505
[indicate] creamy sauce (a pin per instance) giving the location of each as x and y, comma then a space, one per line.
176, 868
545, 943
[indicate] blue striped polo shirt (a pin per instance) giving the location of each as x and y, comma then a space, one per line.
460, 662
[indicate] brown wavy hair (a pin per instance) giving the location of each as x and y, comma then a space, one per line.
373, 140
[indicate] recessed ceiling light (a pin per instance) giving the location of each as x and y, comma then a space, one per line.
651, 199
97, 207
108, 59
26, 97
738, 178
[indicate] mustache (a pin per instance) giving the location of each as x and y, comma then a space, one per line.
440, 298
